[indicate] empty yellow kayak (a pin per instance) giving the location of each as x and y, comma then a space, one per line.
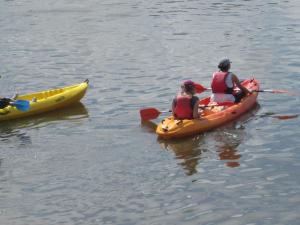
212, 117
45, 101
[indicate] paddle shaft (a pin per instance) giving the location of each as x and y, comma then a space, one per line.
200, 107
153, 113
274, 91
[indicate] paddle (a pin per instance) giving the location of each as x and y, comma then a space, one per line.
286, 117
274, 91
153, 113
22, 105
200, 89
150, 113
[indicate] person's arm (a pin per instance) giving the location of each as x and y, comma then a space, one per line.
195, 109
4, 102
236, 81
173, 106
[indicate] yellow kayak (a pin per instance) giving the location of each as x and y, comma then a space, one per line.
45, 101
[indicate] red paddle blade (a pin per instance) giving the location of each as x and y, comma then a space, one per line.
275, 91
149, 113
278, 92
284, 92
199, 88
286, 117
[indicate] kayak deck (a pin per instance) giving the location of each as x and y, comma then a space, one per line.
212, 116
45, 101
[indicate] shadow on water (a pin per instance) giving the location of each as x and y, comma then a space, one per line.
224, 141
15, 129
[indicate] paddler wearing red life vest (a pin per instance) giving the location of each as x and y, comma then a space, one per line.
185, 104
223, 84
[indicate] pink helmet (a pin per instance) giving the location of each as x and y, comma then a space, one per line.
188, 83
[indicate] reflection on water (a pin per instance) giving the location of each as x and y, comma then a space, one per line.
187, 150
9, 134
149, 126
227, 151
223, 141
76, 111
190, 150
104, 169
13, 131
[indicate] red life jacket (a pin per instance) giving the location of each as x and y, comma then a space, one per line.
183, 108
218, 84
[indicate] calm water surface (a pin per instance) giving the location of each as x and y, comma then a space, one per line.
95, 163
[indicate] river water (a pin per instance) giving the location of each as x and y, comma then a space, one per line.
95, 163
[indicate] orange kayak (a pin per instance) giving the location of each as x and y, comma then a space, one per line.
211, 118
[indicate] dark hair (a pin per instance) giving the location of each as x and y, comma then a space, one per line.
190, 88
224, 65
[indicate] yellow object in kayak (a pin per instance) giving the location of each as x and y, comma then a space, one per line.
45, 101
211, 117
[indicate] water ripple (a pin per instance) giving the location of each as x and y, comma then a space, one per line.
97, 164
